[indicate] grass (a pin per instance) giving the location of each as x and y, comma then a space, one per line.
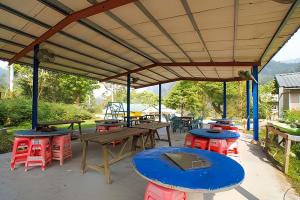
6, 139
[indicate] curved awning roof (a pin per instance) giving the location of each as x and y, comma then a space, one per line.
156, 41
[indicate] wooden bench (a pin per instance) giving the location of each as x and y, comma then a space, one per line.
153, 127
125, 134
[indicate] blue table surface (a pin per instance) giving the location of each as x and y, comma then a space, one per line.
225, 134
41, 133
224, 173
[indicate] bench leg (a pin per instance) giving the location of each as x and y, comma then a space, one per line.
106, 164
287, 155
83, 159
168, 134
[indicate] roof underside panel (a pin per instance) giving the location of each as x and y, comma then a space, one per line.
132, 37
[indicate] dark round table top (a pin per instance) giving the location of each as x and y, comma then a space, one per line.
223, 174
225, 134
220, 124
33, 133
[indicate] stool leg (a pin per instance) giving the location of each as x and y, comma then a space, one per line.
194, 196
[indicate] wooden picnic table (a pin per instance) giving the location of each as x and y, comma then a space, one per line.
153, 127
71, 122
288, 138
125, 134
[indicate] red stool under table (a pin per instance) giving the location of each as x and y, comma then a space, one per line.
39, 153
218, 145
61, 148
201, 143
101, 128
20, 151
232, 146
189, 140
156, 192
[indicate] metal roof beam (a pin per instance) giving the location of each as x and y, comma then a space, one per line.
92, 10
195, 79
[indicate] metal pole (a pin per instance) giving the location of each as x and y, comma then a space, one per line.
224, 101
35, 87
159, 102
128, 99
248, 103
255, 103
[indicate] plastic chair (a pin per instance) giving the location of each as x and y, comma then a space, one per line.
20, 151
61, 148
232, 146
156, 192
218, 145
39, 153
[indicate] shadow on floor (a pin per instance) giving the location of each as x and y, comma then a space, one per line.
246, 193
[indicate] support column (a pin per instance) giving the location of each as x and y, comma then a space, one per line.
224, 101
128, 99
159, 102
248, 104
35, 86
255, 102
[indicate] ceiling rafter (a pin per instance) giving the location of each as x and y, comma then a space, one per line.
163, 30
63, 9
196, 79
89, 11
235, 24
15, 12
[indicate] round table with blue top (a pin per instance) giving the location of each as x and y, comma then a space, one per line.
208, 133
220, 173
34, 133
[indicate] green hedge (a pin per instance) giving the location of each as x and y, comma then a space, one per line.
18, 110
292, 116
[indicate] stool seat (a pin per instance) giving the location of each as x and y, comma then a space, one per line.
61, 148
19, 151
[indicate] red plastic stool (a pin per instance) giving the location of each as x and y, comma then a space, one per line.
20, 151
101, 128
189, 140
232, 146
39, 153
156, 192
201, 143
61, 148
218, 145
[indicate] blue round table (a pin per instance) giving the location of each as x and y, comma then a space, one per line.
34, 133
222, 174
223, 135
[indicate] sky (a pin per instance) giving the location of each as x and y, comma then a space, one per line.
291, 50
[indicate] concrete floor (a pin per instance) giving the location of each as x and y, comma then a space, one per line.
65, 182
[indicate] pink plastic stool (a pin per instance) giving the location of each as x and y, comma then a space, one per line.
201, 143
156, 192
101, 128
218, 145
61, 148
39, 153
20, 151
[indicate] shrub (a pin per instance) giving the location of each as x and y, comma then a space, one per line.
17, 111
292, 116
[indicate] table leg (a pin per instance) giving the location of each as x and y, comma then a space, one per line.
142, 142
194, 196
168, 134
134, 143
152, 138
106, 164
79, 128
83, 159
287, 155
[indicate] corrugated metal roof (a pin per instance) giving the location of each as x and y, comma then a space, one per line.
290, 80
156, 41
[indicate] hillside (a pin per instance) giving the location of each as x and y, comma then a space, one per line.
273, 67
